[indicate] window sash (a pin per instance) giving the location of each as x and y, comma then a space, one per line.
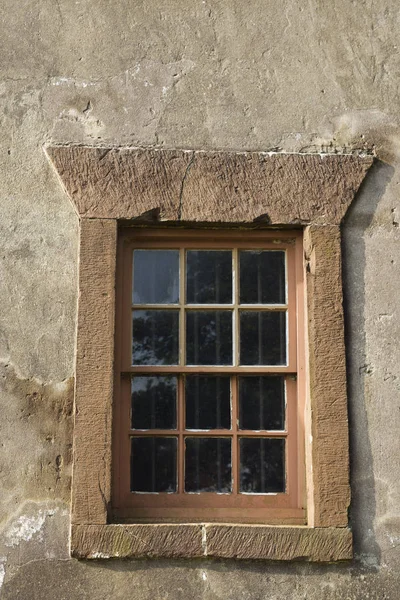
148, 505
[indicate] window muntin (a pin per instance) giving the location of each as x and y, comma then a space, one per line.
214, 441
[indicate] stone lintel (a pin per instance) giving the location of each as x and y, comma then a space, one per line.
156, 185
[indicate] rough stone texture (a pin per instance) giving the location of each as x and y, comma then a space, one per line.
228, 75
112, 183
326, 358
170, 185
94, 372
278, 543
213, 540
328, 468
124, 541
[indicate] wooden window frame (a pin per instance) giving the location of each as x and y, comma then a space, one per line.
282, 508
109, 187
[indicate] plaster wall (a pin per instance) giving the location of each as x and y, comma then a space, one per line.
258, 75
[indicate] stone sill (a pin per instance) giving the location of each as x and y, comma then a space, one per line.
321, 544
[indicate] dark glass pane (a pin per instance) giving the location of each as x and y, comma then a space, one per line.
209, 277
208, 465
262, 277
153, 464
156, 276
208, 402
153, 402
262, 338
262, 465
155, 336
261, 403
209, 337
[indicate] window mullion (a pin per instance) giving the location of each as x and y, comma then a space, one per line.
234, 389
182, 332
181, 380
181, 440
235, 309
235, 441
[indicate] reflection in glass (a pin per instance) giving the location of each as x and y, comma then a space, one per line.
209, 337
153, 464
155, 335
262, 465
153, 402
262, 277
209, 277
156, 276
263, 337
262, 403
208, 465
208, 402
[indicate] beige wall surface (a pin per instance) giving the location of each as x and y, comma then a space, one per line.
259, 75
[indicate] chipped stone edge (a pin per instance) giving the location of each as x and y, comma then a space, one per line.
211, 540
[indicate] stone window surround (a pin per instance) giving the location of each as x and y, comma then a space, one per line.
154, 186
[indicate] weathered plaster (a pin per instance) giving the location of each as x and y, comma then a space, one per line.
316, 76
41, 452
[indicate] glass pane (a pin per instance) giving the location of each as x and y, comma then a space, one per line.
263, 338
209, 337
262, 465
155, 337
153, 464
261, 403
156, 276
208, 465
208, 402
153, 402
209, 277
262, 277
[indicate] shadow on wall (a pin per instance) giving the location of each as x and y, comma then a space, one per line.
356, 223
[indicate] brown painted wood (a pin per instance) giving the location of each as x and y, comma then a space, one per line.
170, 514
127, 503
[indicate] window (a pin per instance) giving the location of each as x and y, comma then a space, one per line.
207, 385
113, 188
